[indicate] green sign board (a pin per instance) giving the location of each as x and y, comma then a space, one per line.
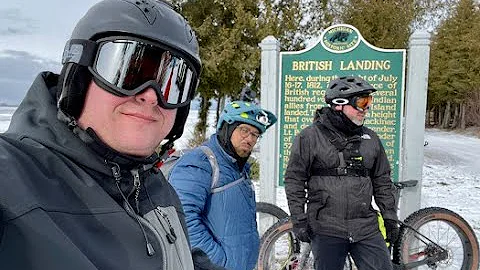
341, 51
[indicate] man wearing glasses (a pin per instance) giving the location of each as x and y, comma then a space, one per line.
336, 165
218, 197
79, 185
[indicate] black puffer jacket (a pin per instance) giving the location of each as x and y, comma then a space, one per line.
61, 209
338, 205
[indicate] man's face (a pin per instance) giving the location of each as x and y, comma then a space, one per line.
356, 116
132, 125
244, 138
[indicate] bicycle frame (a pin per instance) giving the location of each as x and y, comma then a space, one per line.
434, 252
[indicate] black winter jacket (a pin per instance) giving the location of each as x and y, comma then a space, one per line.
60, 207
337, 206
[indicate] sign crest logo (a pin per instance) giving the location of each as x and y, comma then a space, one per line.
340, 38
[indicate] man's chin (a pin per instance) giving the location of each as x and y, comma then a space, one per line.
244, 153
358, 122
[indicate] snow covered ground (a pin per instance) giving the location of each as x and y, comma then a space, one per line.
451, 174
451, 170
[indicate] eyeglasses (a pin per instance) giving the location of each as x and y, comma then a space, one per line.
245, 132
128, 66
360, 103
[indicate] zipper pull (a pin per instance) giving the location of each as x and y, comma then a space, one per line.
350, 238
171, 237
115, 171
136, 184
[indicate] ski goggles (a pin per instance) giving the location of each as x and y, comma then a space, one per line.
361, 103
127, 66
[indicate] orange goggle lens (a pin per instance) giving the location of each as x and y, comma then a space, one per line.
362, 102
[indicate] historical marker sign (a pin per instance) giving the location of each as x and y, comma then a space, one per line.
341, 51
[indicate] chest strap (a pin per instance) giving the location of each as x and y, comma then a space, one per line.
341, 172
351, 161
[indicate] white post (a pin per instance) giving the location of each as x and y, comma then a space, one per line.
269, 85
415, 108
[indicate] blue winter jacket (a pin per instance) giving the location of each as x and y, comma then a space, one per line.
222, 223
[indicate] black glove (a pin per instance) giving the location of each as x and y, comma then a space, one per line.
202, 262
302, 232
392, 230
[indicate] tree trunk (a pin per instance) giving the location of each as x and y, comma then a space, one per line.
430, 117
456, 113
463, 107
446, 116
427, 118
440, 116
220, 106
201, 126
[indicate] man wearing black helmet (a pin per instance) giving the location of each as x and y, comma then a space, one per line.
336, 165
80, 188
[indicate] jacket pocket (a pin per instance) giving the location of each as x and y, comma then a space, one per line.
167, 228
317, 201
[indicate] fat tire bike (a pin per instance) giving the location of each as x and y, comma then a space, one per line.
430, 238
267, 215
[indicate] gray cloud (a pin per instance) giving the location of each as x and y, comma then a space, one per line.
17, 71
13, 22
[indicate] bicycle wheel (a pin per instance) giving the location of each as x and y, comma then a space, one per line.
281, 250
439, 230
267, 215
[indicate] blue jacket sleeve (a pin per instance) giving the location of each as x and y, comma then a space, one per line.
191, 177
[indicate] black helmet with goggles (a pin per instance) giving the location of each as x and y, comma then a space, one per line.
128, 46
350, 90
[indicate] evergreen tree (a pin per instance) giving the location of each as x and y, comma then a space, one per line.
229, 32
454, 64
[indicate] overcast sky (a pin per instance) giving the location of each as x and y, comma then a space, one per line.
32, 36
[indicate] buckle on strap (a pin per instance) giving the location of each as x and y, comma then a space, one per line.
341, 171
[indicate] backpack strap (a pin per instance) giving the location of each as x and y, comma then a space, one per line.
338, 142
222, 188
351, 162
216, 171
213, 162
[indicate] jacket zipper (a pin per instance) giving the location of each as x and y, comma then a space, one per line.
136, 186
165, 221
116, 172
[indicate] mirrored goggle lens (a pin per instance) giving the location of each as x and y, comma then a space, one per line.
362, 102
132, 66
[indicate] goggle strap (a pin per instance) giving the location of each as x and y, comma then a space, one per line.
79, 51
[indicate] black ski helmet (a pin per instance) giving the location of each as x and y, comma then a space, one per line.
153, 20
346, 87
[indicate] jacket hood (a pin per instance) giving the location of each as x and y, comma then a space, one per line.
337, 120
36, 119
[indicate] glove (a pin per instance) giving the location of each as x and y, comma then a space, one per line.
392, 230
202, 262
302, 232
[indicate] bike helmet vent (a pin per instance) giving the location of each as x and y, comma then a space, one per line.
346, 87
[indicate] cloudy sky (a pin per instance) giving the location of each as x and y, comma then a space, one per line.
32, 36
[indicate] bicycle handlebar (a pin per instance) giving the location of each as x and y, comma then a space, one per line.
404, 184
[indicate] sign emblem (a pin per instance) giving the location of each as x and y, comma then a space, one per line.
340, 38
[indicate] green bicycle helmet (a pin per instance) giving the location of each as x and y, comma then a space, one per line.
248, 113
